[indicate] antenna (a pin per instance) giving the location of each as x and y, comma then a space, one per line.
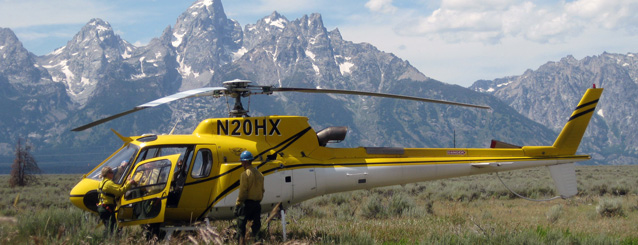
173, 130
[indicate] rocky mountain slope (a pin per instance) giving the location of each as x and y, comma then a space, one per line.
33, 104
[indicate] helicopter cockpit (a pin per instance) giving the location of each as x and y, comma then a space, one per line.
124, 159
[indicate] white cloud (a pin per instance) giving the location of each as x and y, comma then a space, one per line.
466, 62
607, 14
490, 21
381, 6
477, 5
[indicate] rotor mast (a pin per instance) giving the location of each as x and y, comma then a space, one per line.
241, 88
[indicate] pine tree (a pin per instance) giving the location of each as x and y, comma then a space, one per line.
24, 168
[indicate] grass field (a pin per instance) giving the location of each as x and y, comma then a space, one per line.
467, 210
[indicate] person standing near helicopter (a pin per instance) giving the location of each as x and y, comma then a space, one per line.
251, 191
108, 192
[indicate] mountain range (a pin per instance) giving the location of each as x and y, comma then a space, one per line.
98, 74
543, 95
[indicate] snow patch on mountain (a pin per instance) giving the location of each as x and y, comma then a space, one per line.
345, 67
279, 23
178, 39
310, 54
239, 53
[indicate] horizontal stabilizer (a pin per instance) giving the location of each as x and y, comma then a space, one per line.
501, 144
564, 176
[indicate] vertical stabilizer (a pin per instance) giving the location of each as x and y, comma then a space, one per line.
569, 138
564, 176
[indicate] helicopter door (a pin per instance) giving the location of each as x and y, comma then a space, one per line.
197, 189
146, 202
304, 184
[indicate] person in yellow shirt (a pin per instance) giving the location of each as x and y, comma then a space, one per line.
251, 191
108, 192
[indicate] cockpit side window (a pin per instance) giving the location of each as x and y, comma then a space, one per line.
203, 164
160, 151
151, 178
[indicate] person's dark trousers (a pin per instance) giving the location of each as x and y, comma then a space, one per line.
107, 215
251, 211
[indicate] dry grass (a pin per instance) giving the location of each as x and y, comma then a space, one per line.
486, 219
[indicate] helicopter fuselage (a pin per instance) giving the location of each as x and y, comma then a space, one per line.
183, 178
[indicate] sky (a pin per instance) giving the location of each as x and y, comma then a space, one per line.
453, 41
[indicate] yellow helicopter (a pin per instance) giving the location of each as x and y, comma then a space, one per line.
185, 178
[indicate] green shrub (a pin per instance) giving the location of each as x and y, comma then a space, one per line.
610, 207
340, 198
345, 212
308, 209
621, 188
400, 203
600, 189
429, 207
374, 208
554, 213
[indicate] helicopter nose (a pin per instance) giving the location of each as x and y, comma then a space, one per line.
84, 194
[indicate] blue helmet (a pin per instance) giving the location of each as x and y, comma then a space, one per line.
246, 156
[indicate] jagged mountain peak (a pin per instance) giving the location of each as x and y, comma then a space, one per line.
11, 49
96, 39
275, 19
264, 30
7, 37
204, 40
81, 64
335, 34
97, 31
16, 62
210, 6
204, 18
314, 20
100, 25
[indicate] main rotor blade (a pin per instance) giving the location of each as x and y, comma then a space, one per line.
181, 95
394, 96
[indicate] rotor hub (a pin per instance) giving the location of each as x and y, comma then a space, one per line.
237, 89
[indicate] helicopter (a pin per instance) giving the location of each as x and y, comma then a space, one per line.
296, 161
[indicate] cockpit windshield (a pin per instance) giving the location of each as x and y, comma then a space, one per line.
120, 163
124, 160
